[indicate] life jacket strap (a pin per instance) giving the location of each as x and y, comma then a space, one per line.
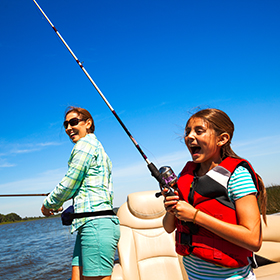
186, 239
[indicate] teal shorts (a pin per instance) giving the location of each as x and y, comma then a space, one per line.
95, 246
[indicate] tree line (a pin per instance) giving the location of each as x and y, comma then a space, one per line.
12, 217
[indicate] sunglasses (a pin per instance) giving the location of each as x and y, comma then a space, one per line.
72, 122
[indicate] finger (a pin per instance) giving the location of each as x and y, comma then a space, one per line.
171, 203
170, 210
56, 211
170, 197
164, 191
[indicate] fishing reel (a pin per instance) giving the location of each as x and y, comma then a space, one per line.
169, 179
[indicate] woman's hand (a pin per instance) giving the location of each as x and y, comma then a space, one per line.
48, 212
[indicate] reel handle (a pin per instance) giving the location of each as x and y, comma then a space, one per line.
169, 193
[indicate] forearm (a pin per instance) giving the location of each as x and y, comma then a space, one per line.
249, 238
55, 199
246, 233
169, 205
237, 234
63, 192
169, 222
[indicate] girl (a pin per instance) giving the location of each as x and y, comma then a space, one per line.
89, 183
215, 212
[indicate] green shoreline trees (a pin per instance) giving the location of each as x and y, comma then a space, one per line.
12, 217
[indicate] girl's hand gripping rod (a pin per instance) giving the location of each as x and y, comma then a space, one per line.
160, 175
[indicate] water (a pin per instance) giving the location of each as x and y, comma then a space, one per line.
40, 249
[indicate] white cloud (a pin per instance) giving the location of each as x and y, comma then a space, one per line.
33, 147
17, 149
41, 183
4, 165
26, 148
258, 147
268, 141
139, 168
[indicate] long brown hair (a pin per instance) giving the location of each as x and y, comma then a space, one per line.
221, 123
81, 112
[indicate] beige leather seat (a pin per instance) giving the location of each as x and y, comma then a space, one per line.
270, 249
146, 251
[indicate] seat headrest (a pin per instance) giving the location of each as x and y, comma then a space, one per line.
145, 205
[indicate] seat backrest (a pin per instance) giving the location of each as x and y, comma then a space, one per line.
271, 239
146, 251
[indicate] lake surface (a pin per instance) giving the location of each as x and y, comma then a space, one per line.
40, 249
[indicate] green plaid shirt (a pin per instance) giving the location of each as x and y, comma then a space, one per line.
88, 180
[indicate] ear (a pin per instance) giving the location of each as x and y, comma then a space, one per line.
88, 123
223, 139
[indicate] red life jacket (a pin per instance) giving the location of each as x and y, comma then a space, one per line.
209, 194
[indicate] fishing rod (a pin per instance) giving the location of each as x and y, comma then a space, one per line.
35, 194
165, 175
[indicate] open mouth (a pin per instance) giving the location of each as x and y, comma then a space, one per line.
195, 149
72, 134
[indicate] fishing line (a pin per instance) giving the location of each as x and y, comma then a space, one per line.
153, 169
32, 194
35, 194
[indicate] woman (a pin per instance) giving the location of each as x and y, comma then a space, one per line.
88, 182
215, 212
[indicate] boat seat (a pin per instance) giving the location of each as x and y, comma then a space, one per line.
146, 251
270, 249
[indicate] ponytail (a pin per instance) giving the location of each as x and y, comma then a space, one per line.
263, 198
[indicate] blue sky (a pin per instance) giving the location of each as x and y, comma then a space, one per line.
156, 62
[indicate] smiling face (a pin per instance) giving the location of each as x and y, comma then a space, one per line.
76, 132
203, 143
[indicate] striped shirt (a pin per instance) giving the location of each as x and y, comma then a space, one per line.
240, 184
88, 181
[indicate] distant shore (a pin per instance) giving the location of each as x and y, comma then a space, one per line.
30, 219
